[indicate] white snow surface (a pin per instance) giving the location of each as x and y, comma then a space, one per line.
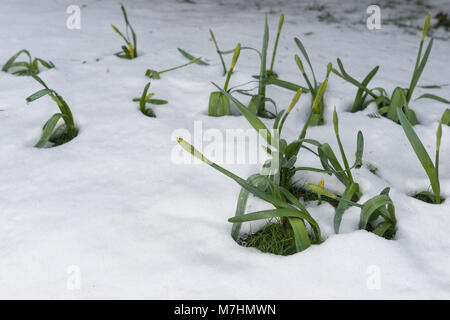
112, 202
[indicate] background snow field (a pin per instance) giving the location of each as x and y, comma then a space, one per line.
113, 210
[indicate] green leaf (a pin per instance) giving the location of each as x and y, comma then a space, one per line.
157, 101
269, 214
256, 180
418, 71
219, 105
322, 191
284, 84
257, 192
370, 207
446, 117
35, 77
361, 94
191, 57
319, 96
327, 156
275, 46
263, 71
213, 38
120, 33
381, 228
48, 130
143, 96
152, 74
359, 149
38, 95
353, 81
11, 60
398, 100
302, 241
421, 153
314, 225
349, 192
305, 54
48, 65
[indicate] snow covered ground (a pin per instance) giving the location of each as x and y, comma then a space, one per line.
112, 210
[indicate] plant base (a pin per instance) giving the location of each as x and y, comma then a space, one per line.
272, 238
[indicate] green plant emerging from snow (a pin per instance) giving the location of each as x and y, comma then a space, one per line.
270, 185
285, 204
388, 105
258, 101
257, 104
146, 99
316, 89
25, 67
219, 103
129, 51
50, 133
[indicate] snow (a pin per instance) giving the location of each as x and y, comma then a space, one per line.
113, 204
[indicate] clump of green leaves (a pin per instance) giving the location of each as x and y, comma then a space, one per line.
219, 103
270, 184
377, 214
153, 74
332, 166
431, 169
50, 132
146, 99
30, 67
285, 204
283, 160
388, 105
258, 101
329, 160
129, 51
